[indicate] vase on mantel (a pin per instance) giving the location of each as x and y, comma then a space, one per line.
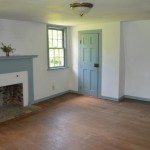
7, 49
7, 53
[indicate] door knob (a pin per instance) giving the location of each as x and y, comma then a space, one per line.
96, 65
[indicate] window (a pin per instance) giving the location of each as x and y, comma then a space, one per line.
56, 47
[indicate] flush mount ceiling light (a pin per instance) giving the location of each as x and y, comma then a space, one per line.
81, 8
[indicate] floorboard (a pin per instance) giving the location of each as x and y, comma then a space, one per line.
76, 122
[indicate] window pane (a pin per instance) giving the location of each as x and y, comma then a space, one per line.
60, 44
60, 35
61, 53
55, 44
56, 53
50, 43
56, 61
56, 57
50, 34
55, 34
52, 53
61, 61
51, 63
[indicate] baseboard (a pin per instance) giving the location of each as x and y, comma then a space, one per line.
102, 97
137, 98
117, 99
71, 91
126, 96
110, 98
49, 97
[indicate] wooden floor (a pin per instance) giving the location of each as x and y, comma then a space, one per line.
75, 122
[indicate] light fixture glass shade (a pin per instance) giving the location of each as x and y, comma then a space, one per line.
81, 8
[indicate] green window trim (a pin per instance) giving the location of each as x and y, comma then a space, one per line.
57, 47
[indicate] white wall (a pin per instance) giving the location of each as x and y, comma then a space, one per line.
136, 37
121, 64
29, 38
110, 57
125, 55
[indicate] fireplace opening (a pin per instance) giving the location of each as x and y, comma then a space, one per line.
11, 95
13, 101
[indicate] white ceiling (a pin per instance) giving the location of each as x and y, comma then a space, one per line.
59, 12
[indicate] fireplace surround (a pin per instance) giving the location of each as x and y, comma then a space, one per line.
18, 69
7, 86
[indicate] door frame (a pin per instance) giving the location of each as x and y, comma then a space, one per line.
99, 32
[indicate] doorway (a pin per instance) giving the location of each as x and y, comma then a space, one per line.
89, 62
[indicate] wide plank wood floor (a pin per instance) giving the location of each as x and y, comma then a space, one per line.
76, 122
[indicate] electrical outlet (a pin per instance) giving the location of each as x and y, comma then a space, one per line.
53, 87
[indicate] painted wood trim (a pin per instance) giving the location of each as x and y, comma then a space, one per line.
64, 28
137, 98
102, 97
17, 57
17, 64
109, 98
50, 97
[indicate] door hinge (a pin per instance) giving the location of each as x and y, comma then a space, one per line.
80, 41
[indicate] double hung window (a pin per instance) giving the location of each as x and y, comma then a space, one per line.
56, 47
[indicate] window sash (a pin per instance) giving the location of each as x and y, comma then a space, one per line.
56, 46
55, 38
56, 57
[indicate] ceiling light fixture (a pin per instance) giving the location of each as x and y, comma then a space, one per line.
81, 8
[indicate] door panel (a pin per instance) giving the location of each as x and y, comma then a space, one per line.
88, 56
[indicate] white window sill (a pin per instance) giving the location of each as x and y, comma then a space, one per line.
56, 68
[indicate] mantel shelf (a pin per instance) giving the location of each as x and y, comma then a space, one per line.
17, 57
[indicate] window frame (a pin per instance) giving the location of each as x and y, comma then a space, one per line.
64, 29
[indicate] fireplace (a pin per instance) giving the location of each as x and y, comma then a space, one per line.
18, 71
13, 84
11, 95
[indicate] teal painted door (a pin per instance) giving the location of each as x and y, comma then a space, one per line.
88, 63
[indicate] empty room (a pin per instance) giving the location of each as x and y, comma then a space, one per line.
74, 75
